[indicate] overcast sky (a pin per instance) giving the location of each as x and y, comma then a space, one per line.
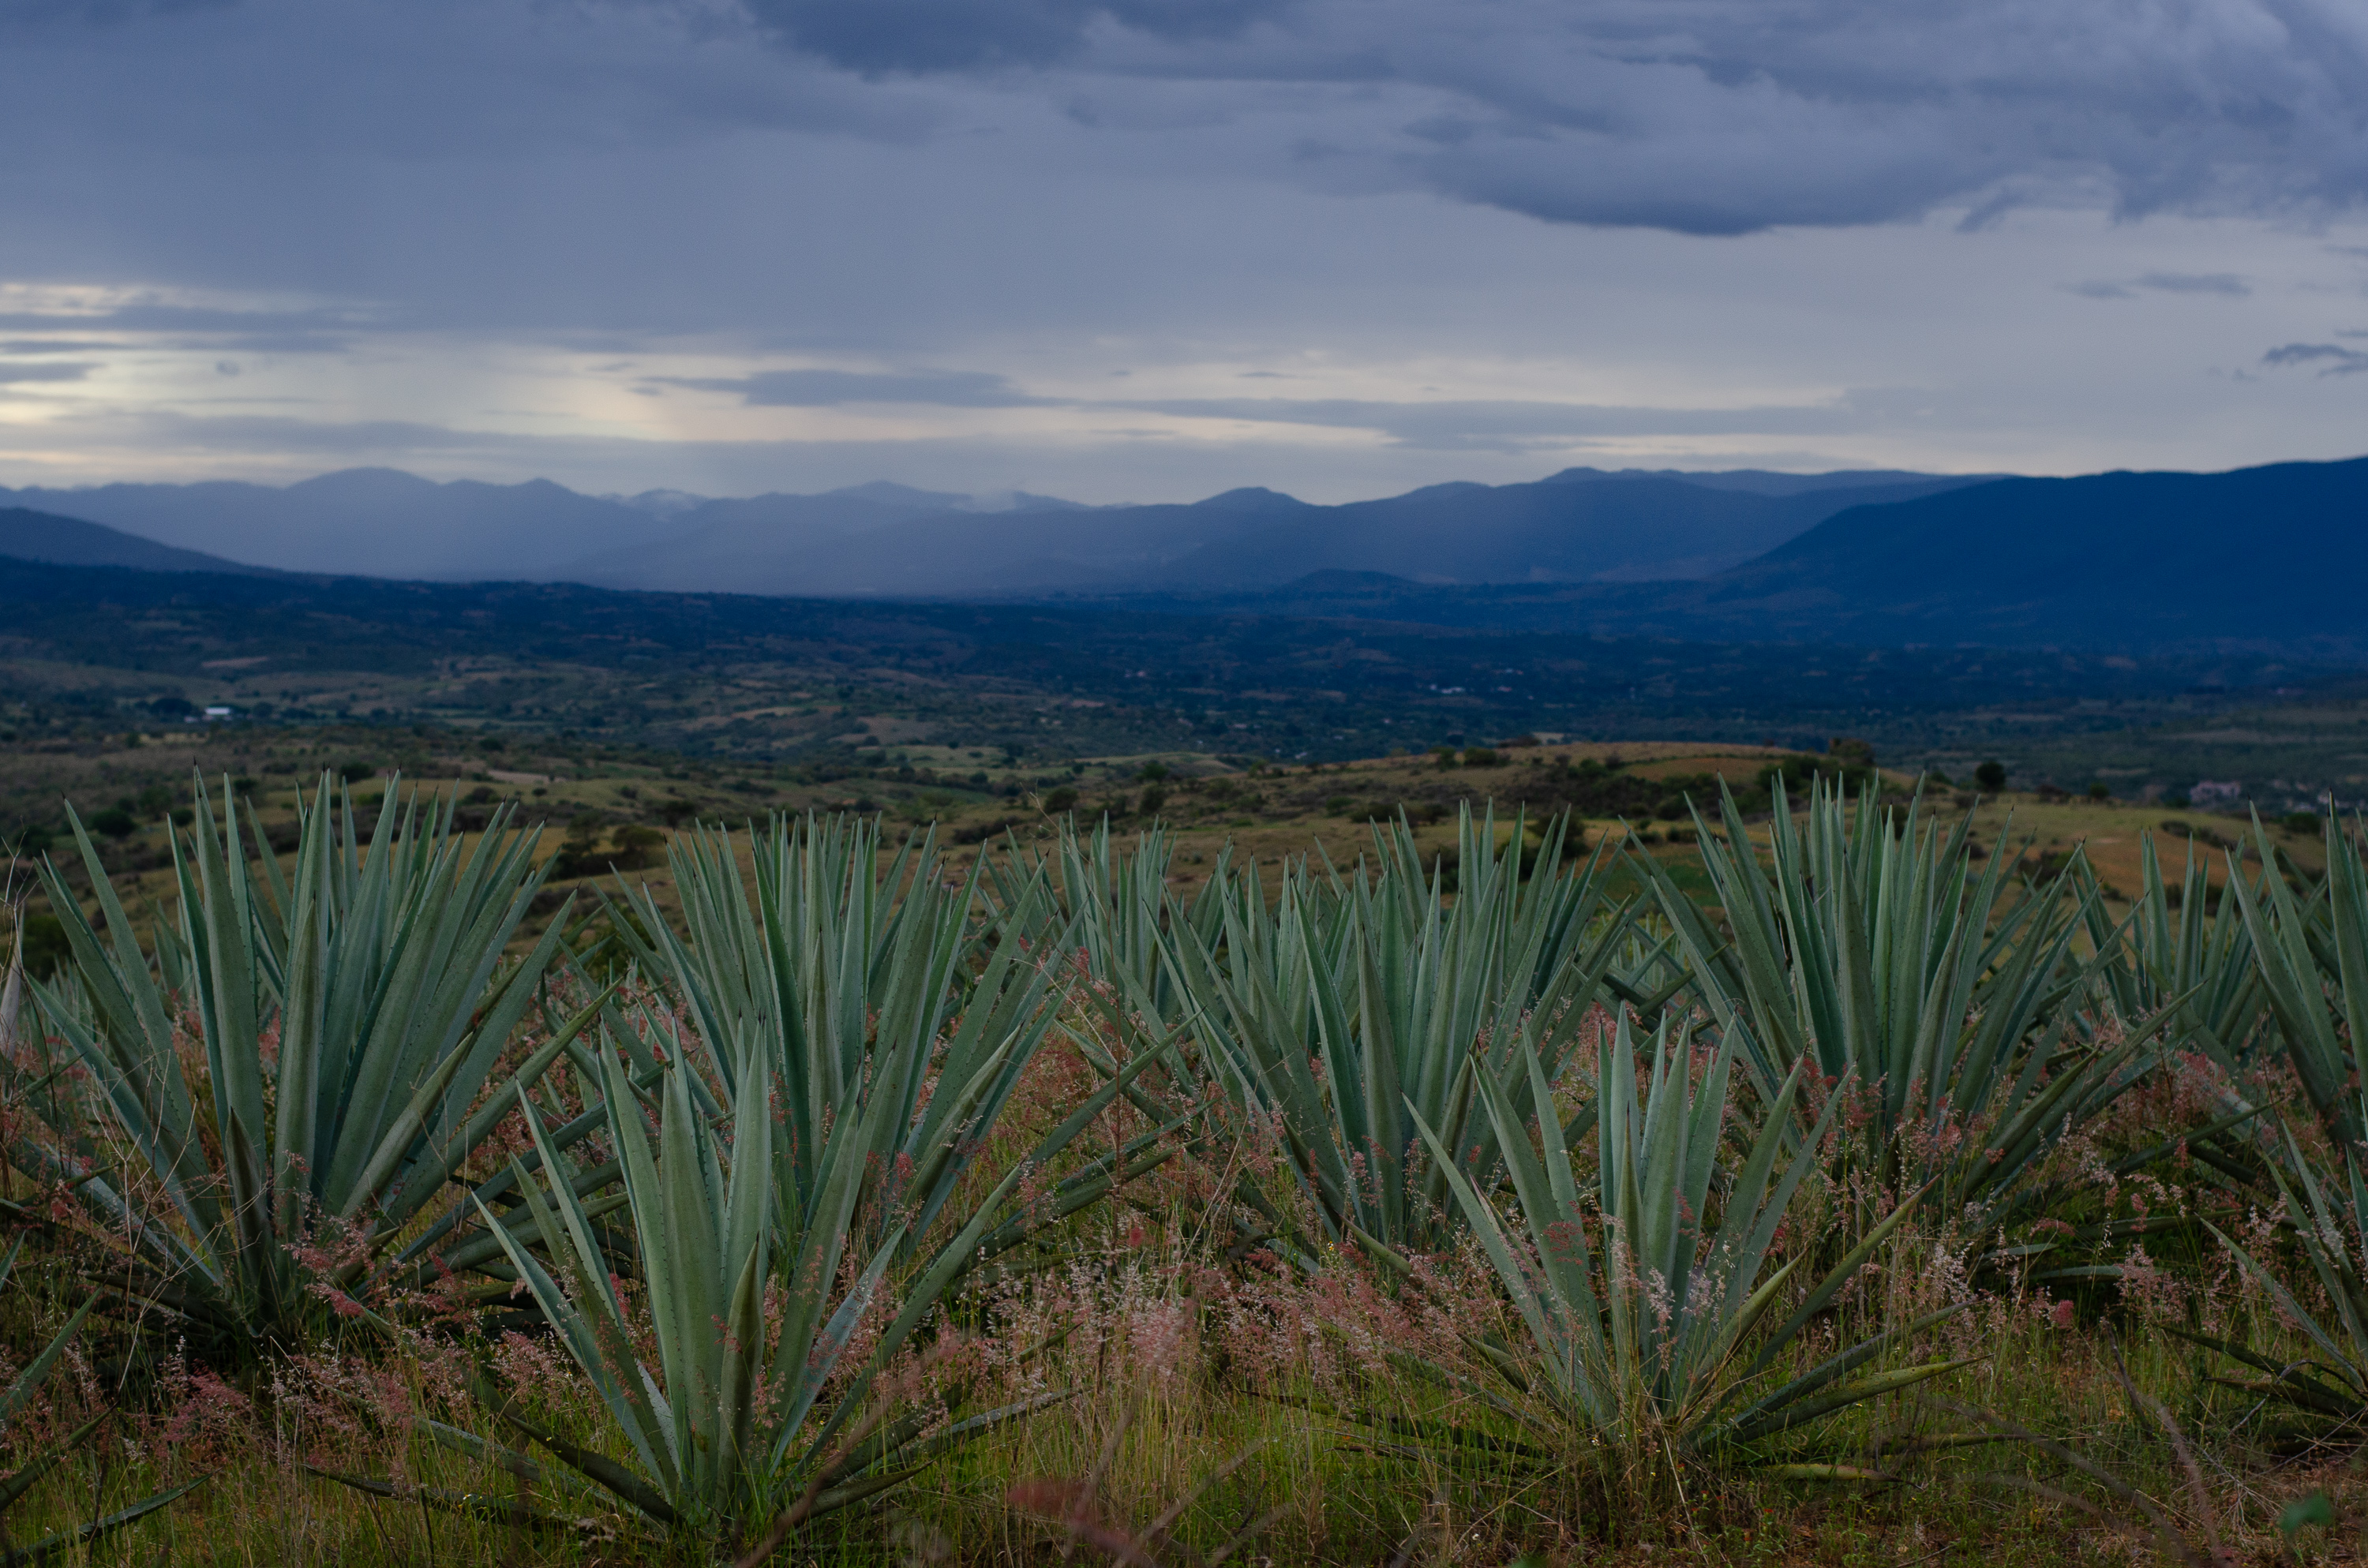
1152, 249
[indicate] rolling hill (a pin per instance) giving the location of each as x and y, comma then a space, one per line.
27, 534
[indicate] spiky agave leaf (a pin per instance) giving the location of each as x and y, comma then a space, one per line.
382, 975
729, 1423
1870, 948
1361, 1007
1642, 1340
2314, 970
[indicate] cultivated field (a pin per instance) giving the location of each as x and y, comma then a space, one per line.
1420, 1159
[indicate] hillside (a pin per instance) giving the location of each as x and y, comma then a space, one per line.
2265, 560
27, 534
2268, 555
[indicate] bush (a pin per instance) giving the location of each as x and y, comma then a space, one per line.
2099, 792
116, 822
637, 846
355, 772
1481, 757
1154, 796
1446, 755
1061, 799
1990, 777
1152, 772
2301, 822
1338, 806
30, 841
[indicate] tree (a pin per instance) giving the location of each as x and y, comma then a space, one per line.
1991, 775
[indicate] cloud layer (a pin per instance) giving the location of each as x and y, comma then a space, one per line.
1201, 242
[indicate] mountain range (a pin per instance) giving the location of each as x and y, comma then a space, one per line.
2265, 560
891, 541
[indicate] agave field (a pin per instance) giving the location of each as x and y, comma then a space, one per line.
1905, 1199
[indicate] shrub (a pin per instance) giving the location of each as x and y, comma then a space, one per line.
1481, 757
1061, 799
1990, 777
2301, 822
1152, 772
116, 822
637, 846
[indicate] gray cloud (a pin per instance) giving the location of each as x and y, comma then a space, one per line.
829, 389
322, 331
2334, 360
2227, 285
449, 213
44, 372
939, 35
1713, 117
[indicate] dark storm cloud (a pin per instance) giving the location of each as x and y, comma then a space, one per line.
1713, 116
829, 389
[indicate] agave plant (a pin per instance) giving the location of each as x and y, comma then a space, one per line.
1361, 1008
753, 1412
1871, 952
1648, 1343
843, 979
2315, 972
353, 1016
19, 1393
2181, 950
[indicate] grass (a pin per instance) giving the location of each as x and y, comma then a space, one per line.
1165, 1409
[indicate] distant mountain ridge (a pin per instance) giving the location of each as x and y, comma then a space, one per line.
2268, 557
883, 540
2268, 560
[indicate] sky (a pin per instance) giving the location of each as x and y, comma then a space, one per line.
1150, 250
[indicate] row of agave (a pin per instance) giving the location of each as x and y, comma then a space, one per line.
787, 1102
